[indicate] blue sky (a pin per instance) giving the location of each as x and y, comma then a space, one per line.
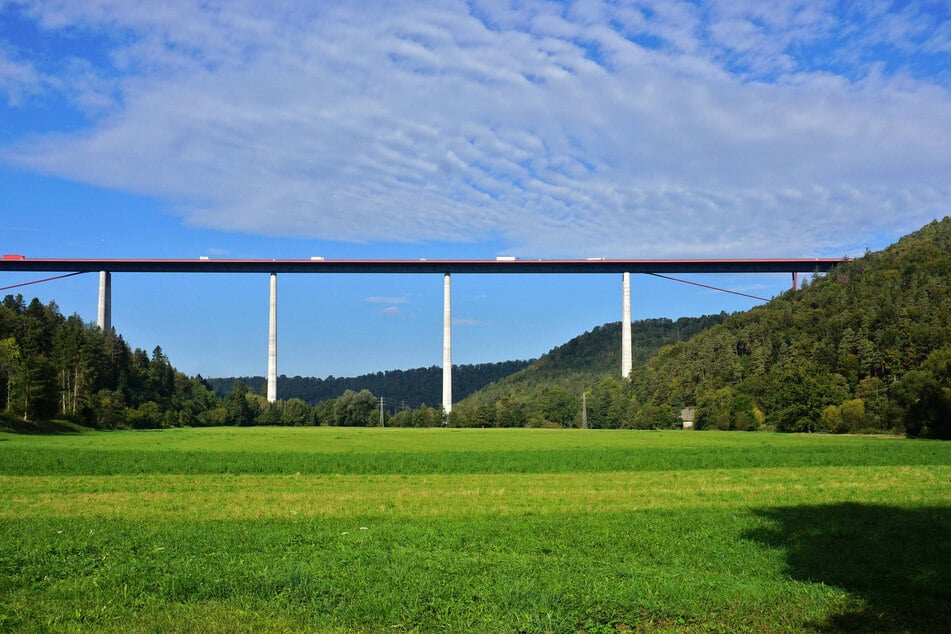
456, 130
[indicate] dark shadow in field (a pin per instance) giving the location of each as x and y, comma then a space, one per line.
897, 560
44, 428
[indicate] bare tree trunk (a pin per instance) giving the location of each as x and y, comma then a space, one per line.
76, 389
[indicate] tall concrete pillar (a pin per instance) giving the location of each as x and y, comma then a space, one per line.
446, 347
272, 343
104, 315
626, 362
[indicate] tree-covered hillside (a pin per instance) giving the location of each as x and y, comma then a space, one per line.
401, 388
549, 390
867, 346
53, 366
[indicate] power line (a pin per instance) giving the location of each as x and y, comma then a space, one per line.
47, 279
712, 288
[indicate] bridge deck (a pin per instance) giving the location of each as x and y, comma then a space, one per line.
802, 265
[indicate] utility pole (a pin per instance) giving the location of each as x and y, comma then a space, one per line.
584, 410
381, 411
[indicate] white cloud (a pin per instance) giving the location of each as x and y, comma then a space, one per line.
468, 322
388, 300
17, 80
394, 304
657, 130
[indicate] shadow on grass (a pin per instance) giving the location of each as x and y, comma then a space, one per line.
897, 560
20, 426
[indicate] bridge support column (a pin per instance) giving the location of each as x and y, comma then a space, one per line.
272, 343
446, 347
104, 314
626, 362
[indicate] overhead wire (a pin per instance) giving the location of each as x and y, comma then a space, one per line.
713, 288
47, 279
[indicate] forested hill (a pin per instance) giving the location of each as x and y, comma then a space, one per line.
59, 367
409, 388
867, 346
567, 370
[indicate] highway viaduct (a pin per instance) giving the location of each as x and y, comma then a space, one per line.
446, 268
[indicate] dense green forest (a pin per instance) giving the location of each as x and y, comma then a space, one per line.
57, 367
402, 388
549, 391
866, 347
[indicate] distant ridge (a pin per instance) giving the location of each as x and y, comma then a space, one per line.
585, 361
401, 388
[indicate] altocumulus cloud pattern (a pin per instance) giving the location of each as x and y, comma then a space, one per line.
742, 128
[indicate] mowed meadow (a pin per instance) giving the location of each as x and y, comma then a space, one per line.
372, 530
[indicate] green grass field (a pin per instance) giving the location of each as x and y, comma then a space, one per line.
392, 530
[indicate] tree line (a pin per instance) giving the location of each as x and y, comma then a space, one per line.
403, 388
56, 367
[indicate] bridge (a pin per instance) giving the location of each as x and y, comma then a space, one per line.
446, 268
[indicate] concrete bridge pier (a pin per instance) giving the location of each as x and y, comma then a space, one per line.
104, 314
446, 346
626, 362
272, 343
